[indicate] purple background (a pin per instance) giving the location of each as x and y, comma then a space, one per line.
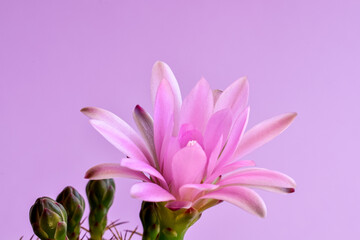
59, 56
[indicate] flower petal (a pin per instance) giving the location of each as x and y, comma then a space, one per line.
263, 133
234, 138
176, 205
219, 125
261, 178
119, 140
161, 71
191, 113
188, 165
150, 192
170, 147
140, 166
117, 123
216, 95
189, 133
230, 168
112, 170
145, 125
242, 197
234, 97
190, 191
163, 113
212, 160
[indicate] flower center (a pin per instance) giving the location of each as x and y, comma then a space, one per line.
191, 143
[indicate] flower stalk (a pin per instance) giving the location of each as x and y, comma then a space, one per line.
162, 223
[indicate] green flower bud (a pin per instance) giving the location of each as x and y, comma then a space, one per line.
100, 194
74, 205
48, 219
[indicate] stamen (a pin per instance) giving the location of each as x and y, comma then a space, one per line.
191, 143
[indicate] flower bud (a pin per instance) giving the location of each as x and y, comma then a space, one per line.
48, 219
100, 194
74, 205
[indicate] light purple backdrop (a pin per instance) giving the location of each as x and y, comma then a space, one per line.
59, 56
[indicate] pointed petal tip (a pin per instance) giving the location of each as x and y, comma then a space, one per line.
292, 115
160, 65
87, 175
85, 110
158, 62
95, 173
242, 80
139, 109
90, 173
204, 83
90, 111
261, 211
262, 214
290, 190
203, 79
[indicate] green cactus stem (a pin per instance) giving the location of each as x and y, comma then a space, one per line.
100, 194
161, 223
48, 219
74, 205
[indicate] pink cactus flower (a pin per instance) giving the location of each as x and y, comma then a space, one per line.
190, 153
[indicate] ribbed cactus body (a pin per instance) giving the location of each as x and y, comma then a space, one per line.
48, 219
74, 205
100, 194
161, 223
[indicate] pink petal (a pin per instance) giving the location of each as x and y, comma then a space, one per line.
234, 97
188, 165
216, 95
160, 72
189, 133
212, 160
263, 133
150, 192
242, 197
112, 170
190, 191
140, 166
176, 205
230, 168
170, 147
261, 178
145, 125
201, 95
119, 140
234, 138
219, 125
117, 123
163, 113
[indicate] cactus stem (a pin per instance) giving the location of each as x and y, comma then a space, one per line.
161, 223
